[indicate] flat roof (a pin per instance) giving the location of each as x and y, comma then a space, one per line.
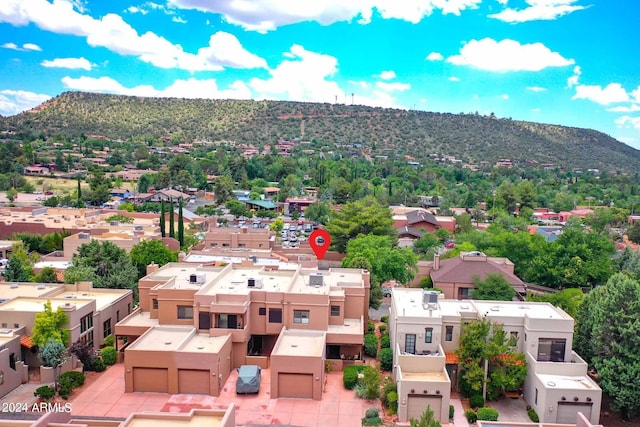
235, 281
349, 326
142, 318
204, 258
297, 342
158, 421
36, 305
578, 382
178, 338
534, 310
103, 297
182, 272
5, 339
14, 290
424, 376
455, 307
408, 303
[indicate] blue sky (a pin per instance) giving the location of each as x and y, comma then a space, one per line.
568, 62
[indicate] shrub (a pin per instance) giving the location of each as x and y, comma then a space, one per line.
350, 376
372, 413
45, 392
488, 414
385, 341
452, 411
371, 383
109, 355
371, 327
371, 418
476, 401
382, 328
385, 319
533, 415
72, 378
64, 391
370, 345
471, 416
95, 364
386, 359
109, 341
388, 387
392, 402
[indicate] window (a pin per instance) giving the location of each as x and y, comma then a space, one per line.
87, 338
185, 312
410, 343
213, 245
4, 325
551, 349
154, 303
335, 310
242, 245
204, 320
16, 325
275, 315
225, 245
86, 322
428, 335
129, 308
464, 293
262, 311
513, 338
536, 399
12, 361
106, 328
301, 316
448, 335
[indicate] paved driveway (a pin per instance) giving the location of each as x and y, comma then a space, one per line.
338, 407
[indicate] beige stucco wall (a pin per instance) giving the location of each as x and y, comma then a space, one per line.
12, 378
298, 365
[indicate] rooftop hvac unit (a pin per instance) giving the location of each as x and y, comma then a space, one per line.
196, 278
254, 283
42, 286
430, 297
316, 279
14, 285
137, 228
112, 223
83, 235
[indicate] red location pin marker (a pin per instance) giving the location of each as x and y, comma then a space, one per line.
319, 242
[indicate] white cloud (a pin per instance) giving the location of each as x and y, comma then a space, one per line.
73, 63
636, 95
507, 55
113, 33
535, 110
267, 15
15, 101
573, 80
505, 96
387, 75
179, 20
362, 84
190, 88
454, 79
538, 10
135, 9
434, 56
536, 89
625, 109
611, 94
32, 46
628, 122
393, 87
26, 46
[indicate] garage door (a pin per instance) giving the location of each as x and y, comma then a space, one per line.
568, 412
295, 385
417, 404
151, 379
193, 381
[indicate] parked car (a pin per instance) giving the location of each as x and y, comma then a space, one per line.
386, 292
248, 379
449, 244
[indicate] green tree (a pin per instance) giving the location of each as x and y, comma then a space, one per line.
494, 287
319, 212
151, 251
47, 275
79, 202
180, 224
12, 193
568, 299
17, 270
633, 232
163, 231
463, 223
609, 318
366, 216
50, 325
427, 419
425, 243
238, 209
223, 189
277, 225
51, 202
100, 189
172, 227
53, 354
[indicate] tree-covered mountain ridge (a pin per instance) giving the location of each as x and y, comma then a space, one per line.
472, 138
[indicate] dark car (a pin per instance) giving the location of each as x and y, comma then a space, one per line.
248, 379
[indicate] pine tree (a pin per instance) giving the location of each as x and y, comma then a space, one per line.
16, 271
163, 230
180, 224
79, 201
172, 230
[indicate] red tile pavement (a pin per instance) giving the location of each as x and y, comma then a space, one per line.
105, 397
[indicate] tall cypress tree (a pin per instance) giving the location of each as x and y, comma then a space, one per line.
163, 230
180, 224
172, 230
79, 201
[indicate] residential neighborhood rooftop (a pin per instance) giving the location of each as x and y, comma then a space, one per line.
579, 382
37, 304
104, 297
534, 310
295, 342
10, 290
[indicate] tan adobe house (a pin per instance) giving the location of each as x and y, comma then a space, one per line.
92, 315
292, 321
425, 332
455, 275
194, 418
239, 238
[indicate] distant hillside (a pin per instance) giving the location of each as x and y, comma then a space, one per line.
473, 138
